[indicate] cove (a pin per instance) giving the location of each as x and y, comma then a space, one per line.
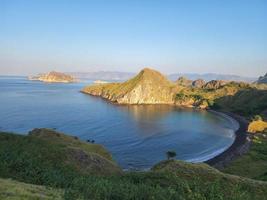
137, 135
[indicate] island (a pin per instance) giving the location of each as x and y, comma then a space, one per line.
53, 77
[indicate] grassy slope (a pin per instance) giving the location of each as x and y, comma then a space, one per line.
41, 159
241, 98
254, 163
14, 190
50, 158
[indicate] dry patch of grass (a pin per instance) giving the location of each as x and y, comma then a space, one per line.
14, 190
257, 126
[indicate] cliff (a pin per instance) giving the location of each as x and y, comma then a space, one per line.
262, 79
148, 87
54, 77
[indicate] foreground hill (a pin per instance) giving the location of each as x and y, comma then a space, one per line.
54, 77
14, 190
43, 158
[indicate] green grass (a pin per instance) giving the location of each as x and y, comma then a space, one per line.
254, 163
14, 190
46, 157
42, 158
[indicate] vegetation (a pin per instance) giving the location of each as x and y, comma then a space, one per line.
246, 102
42, 158
257, 126
14, 190
170, 154
254, 163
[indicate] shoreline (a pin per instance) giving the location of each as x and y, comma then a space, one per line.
239, 147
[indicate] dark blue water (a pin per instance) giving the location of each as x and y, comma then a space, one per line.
137, 136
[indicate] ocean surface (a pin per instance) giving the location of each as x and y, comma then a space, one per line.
137, 136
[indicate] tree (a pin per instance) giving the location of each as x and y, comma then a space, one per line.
170, 154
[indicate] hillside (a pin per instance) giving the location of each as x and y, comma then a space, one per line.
148, 87
45, 149
14, 190
53, 77
42, 158
254, 163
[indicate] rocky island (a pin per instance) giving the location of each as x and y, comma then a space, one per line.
53, 77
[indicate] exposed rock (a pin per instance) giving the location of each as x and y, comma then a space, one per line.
214, 84
148, 87
262, 79
183, 81
54, 77
198, 83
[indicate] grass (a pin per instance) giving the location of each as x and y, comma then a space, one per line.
46, 157
254, 163
14, 190
42, 158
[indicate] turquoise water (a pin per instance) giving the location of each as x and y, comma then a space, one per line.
137, 136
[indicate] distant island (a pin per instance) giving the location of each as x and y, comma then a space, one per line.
151, 87
53, 77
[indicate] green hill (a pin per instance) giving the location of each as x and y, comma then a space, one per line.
43, 158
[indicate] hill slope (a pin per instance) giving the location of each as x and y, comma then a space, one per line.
14, 190
148, 87
42, 158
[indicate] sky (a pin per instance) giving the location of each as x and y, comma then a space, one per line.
172, 36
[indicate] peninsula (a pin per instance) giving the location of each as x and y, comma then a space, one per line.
151, 87
53, 77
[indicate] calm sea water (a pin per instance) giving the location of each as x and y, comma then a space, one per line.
137, 136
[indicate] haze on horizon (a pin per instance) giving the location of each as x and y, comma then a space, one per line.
228, 37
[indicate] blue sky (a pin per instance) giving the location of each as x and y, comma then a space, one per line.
227, 37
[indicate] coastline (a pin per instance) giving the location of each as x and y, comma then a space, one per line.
239, 147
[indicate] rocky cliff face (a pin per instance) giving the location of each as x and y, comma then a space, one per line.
148, 87
214, 84
198, 83
54, 77
183, 81
262, 79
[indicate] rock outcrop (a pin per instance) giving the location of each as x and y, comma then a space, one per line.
214, 84
183, 81
148, 87
198, 83
54, 77
262, 79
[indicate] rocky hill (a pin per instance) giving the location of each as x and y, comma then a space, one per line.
151, 87
262, 79
54, 77
148, 87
